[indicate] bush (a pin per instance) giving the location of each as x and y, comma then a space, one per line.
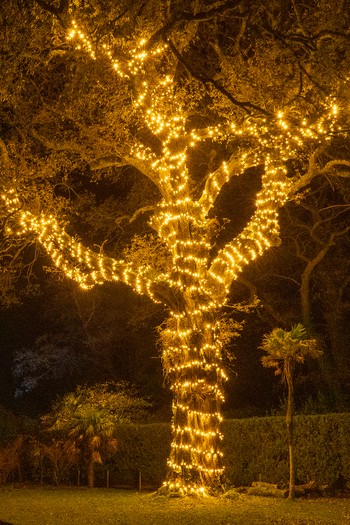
8, 426
10, 462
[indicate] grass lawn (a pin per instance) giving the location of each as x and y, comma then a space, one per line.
46, 506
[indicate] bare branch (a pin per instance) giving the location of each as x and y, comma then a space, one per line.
332, 164
138, 212
299, 17
4, 154
313, 171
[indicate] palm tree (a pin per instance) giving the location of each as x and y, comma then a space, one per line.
284, 350
89, 416
93, 430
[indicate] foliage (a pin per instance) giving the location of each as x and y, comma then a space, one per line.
325, 403
282, 346
8, 426
10, 463
116, 403
257, 449
149, 250
51, 462
86, 337
50, 359
88, 417
139, 452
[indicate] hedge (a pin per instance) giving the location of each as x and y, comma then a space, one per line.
257, 449
254, 449
142, 450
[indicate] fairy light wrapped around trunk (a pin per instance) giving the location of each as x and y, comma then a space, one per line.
197, 284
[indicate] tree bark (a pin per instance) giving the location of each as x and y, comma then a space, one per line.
305, 285
290, 426
192, 362
91, 473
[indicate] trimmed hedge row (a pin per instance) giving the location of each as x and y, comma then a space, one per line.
142, 450
257, 449
254, 449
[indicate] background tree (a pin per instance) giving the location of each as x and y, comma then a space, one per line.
88, 418
92, 337
284, 351
189, 114
315, 242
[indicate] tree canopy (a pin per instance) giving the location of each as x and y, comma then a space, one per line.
68, 118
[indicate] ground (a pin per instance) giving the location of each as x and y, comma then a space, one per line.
47, 506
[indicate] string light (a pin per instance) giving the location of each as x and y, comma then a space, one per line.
195, 287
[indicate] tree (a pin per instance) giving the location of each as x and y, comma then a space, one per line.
50, 359
99, 336
307, 278
285, 350
88, 418
166, 115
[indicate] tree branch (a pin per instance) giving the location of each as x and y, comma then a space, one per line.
215, 181
314, 171
138, 212
59, 12
201, 16
246, 106
309, 268
82, 264
62, 8
259, 234
106, 161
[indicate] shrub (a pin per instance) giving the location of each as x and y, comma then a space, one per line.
10, 464
87, 419
8, 426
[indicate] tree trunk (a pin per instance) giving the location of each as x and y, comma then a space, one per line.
192, 362
290, 426
305, 285
305, 295
336, 319
91, 473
